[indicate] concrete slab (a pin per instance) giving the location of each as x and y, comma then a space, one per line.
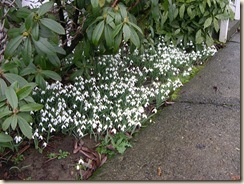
187, 142
219, 81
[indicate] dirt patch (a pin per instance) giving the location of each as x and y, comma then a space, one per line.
37, 166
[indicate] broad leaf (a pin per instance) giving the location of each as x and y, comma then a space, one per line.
3, 86
208, 22
45, 8
31, 107
53, 25
11, 97
40, 81
107, 34
5, 138
216, 25
24, 127
117, 29
27, 51
199, 38
97, 33
94, 3
24, 92
12, 46
13, 121
54, 60
126, 32
44, 46
182, 10
51, 74
23, 12
136, 27
7, 122
11, 77
29, 21
35, 31
5, 113
134, 38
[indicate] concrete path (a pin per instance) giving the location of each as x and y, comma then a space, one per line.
198, 137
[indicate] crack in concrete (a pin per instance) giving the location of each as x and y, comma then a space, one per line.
225, 105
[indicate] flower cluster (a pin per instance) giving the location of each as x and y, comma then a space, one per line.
115, 97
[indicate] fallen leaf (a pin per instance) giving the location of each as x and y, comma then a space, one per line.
104, 159
159, 171
235, 177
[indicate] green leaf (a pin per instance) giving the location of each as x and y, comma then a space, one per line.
199, 38
5, 138
13, 121
94, 3
45, 8
24, 92
201, 7
3, 86
23, 12
97, 33
216, 25
13, 32
31, 107
11, 97
27, 51
27, 71
24, 127
126, 32
107, 34
54, 60
11, 77
209, 3
29, 21
53, 25
123, 10
40, 81
136, 27
117, 29
7, 123
5, 113
134, 38
26, 116
117, 41
182, 10
209, 41
35, 32
12, 46
44, 46
101, 2
51, 74
208, 22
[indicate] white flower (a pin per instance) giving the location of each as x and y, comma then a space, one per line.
17, 139
154, 110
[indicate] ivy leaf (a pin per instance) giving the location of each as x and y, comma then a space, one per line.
24, 127
53, 25
11, 97
97, 33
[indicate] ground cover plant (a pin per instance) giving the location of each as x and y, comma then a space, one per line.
96, 68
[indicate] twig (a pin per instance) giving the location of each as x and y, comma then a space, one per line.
115, 3
133, 5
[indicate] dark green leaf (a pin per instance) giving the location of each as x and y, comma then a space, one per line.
27, 71
126, 32
23, 12
31, 107
136, 27
117, 29
134, 38
26, 116
45, 8
12, 46
27, 51
107, 34
40, 81
44, 46
11, 77
94, 3
11, 97
216, 25
29, 21
35, 32
25, 91
123, 10
97, 33
25, 127
53, 25
199, 38
14, 32
5, 138
54, 60
209, 41
3, 86
51, 74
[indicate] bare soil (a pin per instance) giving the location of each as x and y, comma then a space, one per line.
37, 166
